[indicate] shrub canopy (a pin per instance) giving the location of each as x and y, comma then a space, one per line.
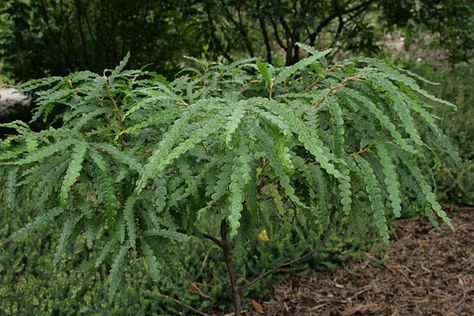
144, 164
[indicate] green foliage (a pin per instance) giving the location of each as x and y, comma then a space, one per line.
228, 149
54, 37
454, 180
454, 34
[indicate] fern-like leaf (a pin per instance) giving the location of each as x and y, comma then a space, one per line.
168, 233
383, 119
287, 72
306, 136
372, 186
162, 158
11, 187
240, 177
120, 156
268, 146
151, 262
38, 223
63, 239
391, 178
73, 171
234, 120
105, 251
128, 213
115, 275
45, 152
426, 189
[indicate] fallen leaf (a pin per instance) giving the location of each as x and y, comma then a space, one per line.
257, 307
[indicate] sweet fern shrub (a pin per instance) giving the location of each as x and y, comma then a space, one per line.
140, 165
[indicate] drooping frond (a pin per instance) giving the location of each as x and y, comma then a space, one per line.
129, 216
115, 275
45, 152
425, 189
120, 156
391, 178
383, 119
11, 190
151, 262
38, 223
105, 251
234, 120
306, 136
167, 233
287, 72
400, 107
64, 238
73, 170
443, 142
239, 177
345, 191
372, 186
106, 191
165, 154
268, 146
337, 122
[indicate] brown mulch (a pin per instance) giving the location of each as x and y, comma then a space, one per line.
427, 272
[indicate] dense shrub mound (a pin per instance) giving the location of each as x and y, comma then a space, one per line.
133, 165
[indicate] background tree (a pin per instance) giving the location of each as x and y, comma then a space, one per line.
57, 36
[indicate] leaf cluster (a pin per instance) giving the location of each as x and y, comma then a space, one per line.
142, 165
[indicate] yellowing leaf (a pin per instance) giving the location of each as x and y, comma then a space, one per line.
263, 236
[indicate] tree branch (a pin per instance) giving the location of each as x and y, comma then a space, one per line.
241, 28
263, 28
45, 17
277, 35
336, 13
213, 32
78, 5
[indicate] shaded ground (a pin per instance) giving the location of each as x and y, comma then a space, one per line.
428, 272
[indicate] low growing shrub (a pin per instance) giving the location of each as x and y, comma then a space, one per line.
135, 166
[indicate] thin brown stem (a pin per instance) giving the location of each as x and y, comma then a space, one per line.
363, 150
338, 86
215, 240
230, 267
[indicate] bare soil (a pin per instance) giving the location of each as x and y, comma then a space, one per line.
427, 272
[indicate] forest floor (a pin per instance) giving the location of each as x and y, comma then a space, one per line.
427, 272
